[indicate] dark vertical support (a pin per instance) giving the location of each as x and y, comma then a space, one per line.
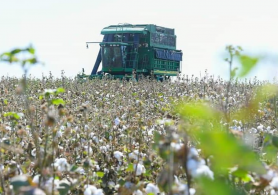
135, 47
97, 63
105, 38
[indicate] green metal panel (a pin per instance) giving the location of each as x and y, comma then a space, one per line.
141, 55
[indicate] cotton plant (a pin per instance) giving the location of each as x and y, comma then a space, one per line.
122, 119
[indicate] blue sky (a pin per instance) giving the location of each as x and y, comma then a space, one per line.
58, 29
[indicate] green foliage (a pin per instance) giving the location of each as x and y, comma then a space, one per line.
226, 150
218, 187
13, 115
15, 56
57, 101
247, 64
100, 174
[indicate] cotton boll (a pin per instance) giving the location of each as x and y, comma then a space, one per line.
269, 175
151, 188
137, 192
90, 190
68, 124
140, 169
274, 182
260, 127
192, 153
192, 191
99, 192
95, 139
118, 155
111, 184
61, 164
87, 191
117, 121
192, 164
103, 149
203, 170
48, 184
86, 149
134, 155
80, 170
97, 167
36, 179
176, 146
128, 185
59, 134
8, 128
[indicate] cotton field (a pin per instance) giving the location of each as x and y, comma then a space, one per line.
193, 135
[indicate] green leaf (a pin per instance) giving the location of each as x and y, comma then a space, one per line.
216, 187
58, 101
157, 137
32, 60
15, 51
6, 54
275, 141
12, 114
129, 168
31, 50
227, 151
270, 153
60, 90
100, 174
73, 168
63, 188
247, 64
233, 73
6, 102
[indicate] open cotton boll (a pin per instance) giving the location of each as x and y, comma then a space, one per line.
203, 170
48, 185
269, 175
176, 146
8, 128
86, 149
140, 169
103, 149
59, 134
117, 121
151, 188
192, 153
95, 139
36, 179
61, 164
90, 190
198, 168
137, 192
2, 167
134, 155
274, 182
118, 155
260, 127
192, 164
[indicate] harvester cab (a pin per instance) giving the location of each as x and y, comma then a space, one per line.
145, 49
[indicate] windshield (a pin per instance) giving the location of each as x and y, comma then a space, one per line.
112, 56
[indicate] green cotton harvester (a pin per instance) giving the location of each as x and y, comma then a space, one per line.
144, 49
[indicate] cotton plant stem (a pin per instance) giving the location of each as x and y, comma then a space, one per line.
2, 176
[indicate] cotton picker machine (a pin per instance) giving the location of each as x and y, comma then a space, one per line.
128, 50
